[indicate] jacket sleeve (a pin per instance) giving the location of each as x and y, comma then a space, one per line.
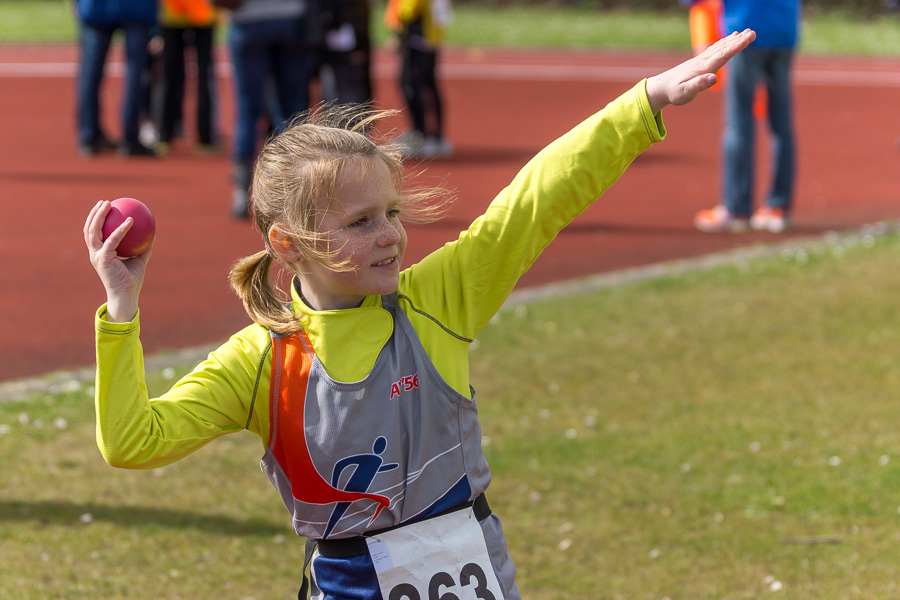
216, 398
464, 283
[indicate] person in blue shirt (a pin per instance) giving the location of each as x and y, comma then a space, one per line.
767, 61
272, 64
98, 21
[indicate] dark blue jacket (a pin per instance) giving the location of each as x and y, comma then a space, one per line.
776, 22
116, 13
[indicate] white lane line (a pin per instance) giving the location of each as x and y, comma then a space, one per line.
504, 72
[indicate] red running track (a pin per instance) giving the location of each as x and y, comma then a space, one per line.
503, 106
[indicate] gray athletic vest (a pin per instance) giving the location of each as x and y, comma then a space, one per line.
399, 446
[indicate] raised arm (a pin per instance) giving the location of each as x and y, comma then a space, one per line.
681, 84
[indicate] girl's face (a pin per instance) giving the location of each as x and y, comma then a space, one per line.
364, 226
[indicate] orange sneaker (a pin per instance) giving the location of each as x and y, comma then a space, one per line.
769, 219
718, 219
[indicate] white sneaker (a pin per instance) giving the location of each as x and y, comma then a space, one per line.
718, 219
148, 135
435, 147
773, 220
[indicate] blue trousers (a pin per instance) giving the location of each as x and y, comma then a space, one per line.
771, 67
265, 53
95, 42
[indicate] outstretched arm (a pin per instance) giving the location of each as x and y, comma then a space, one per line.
681, 84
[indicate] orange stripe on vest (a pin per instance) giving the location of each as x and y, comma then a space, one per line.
292, 359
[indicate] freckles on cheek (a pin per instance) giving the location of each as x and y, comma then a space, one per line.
351, 251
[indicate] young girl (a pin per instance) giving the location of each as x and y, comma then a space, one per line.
359, 387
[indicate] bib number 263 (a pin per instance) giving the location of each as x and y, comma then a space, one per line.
471, 576
444, 558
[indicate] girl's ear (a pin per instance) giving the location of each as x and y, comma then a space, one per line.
283, 246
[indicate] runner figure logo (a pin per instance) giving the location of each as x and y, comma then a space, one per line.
365, 468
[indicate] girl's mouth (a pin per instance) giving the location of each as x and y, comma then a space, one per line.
387, 261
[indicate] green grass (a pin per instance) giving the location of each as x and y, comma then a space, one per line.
824, 33
673, 435
567, 28
712, 435
839, 33
43, 21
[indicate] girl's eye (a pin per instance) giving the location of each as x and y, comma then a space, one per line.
391, 214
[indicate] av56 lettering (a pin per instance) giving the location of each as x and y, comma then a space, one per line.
407, 384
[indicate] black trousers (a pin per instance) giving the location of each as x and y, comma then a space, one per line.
418, 82
177, 40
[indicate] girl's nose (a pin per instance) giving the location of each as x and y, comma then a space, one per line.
390, 233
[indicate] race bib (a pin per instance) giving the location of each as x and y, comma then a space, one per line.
444, 558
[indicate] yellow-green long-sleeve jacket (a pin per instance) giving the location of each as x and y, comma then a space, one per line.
452, 294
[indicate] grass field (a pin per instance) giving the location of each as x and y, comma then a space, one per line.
823, 33
725, 434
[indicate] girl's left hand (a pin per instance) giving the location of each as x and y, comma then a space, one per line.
681, 84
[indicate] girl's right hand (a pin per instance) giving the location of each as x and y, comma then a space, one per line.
122, 278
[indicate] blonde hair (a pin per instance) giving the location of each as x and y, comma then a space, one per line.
294, 182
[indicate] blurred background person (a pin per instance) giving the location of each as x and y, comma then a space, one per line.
705, 19
420, 26
345, 51
768, 61
269, 46
151, 102
98, 21
187, 23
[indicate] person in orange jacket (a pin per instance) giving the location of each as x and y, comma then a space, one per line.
187, 23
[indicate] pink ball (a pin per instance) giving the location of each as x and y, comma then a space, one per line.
142, 231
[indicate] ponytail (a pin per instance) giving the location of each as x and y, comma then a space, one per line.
250, 278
